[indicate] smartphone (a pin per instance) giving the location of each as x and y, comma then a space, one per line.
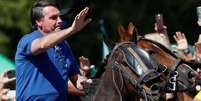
159, 22
198, 9
12, 84
11, 73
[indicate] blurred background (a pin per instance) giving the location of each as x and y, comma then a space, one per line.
179, 15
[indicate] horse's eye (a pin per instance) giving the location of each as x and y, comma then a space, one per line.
150, 52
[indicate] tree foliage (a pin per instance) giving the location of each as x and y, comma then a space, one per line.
14, 21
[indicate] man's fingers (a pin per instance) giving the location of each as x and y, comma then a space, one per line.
175, 37
178, 34
82, 58
183, 35
5, 73
12, 79
83, 13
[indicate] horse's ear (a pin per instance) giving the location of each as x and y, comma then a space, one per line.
130, 28
133, 30
121, 30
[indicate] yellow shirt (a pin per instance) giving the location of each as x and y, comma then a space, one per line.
198, 96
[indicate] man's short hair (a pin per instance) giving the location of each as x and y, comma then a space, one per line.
37, 10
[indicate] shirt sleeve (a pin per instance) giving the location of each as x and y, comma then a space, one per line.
24, 46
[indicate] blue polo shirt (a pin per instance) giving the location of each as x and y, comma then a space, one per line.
43, 77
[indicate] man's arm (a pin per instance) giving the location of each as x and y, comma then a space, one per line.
42, 44
73, 90
74, 79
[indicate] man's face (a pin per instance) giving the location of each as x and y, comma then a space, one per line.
51, 21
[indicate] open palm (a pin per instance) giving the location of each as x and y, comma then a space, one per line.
181, 40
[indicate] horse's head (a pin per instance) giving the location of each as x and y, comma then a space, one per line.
127, 54
159, 53
135, 65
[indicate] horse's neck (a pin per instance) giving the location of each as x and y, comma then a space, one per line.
108, 90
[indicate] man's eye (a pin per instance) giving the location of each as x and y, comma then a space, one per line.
53, 17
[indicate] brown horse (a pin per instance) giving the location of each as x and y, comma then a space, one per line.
133, 73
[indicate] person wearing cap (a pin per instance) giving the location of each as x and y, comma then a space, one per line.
44, 60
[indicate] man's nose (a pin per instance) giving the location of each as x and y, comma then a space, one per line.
59, 20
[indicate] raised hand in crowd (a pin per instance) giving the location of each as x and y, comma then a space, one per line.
84, 70
84, 65
181, 40
182, 45
156, 28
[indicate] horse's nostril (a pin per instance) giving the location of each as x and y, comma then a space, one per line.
154, 87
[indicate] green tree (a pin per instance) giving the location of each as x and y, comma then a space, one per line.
14, 21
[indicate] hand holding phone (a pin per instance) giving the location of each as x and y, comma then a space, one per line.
9, 79
11, 73
159, 23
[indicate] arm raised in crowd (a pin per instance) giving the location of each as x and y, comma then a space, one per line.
182, 45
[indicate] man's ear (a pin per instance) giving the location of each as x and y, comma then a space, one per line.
38, 23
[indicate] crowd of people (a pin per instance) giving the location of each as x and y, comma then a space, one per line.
46, 69
183, 50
